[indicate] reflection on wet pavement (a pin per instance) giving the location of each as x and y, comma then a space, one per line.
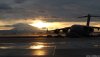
58, 45
36, 49
39, 52
46, 48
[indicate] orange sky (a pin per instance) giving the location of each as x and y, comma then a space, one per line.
55, 25
50, 25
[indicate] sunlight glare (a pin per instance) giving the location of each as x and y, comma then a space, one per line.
36, 47
39, 52
39, 24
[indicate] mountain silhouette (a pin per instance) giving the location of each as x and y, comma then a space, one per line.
21, 28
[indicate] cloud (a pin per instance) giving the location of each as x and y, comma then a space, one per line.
19, 1
4, 6
67, 9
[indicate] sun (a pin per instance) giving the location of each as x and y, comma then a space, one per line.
39, 24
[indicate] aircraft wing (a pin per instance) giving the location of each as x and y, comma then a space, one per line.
82, 16
96, 28
65, 28
95, 16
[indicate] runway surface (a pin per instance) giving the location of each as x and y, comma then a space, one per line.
49, 47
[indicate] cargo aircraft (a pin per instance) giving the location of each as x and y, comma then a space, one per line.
79, 30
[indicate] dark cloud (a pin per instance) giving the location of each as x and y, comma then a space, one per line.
19, 1
67, 9
4, 6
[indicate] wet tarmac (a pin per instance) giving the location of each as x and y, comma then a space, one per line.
49, 47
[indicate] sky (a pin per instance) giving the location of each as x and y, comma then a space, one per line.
62, 11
